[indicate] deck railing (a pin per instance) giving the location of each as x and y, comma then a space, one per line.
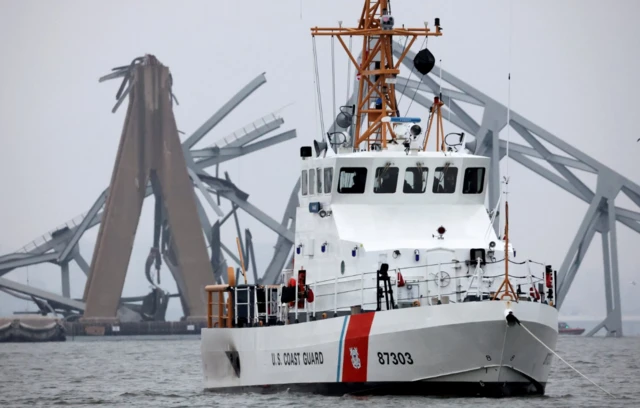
235, 301
224, 316
432, 275
229, 308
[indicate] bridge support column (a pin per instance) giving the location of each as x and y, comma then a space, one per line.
613, 322
66, 287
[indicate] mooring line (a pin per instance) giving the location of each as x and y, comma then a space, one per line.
563, 360
504, 342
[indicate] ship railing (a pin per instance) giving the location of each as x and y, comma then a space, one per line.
216, 297
432, 275
235, 304
248, 297
245, 300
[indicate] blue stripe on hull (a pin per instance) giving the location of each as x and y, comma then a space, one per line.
340, 347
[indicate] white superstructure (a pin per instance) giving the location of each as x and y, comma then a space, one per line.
346, 233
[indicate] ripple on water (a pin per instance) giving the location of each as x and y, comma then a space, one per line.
136, 372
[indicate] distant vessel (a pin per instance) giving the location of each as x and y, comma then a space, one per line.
31, 328
564, 328
400, 284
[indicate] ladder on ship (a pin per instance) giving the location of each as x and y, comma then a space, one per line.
384, 289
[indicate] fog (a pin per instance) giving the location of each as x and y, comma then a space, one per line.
571, 73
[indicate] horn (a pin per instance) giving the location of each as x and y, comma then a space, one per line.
319, 147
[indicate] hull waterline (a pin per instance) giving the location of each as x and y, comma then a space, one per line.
463, 349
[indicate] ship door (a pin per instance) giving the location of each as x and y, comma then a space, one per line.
440, 273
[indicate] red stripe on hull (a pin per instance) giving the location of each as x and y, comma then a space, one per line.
356, 348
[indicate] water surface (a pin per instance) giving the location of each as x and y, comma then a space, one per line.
166, 372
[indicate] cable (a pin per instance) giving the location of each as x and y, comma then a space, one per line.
349, 72
461, 134
570, 366
440, 91
424, 43
333, 75
509, 99
317, 82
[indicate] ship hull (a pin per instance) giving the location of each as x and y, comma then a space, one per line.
573, 332
398, 388
452, 349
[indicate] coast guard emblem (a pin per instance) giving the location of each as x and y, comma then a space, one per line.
355, 359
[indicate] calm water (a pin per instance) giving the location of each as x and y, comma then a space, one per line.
165, 372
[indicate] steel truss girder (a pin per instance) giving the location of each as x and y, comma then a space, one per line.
237, 197
84, 225
602, 213
230, 153
42, 294
63, 248
283, 244
243, 94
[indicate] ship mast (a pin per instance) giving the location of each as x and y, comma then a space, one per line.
506, 286
377, 70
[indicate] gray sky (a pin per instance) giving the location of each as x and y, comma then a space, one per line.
572, 74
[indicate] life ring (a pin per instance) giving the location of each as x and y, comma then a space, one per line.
292, 284
303, 293
534, 294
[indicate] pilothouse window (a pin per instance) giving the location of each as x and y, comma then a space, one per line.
304, 183
444, 180
473, 180
386, 180
352, 180
415, 180
312, 181
319, 173
328, 179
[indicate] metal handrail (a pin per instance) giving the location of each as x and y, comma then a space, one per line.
354, 278
279, 309
46, 237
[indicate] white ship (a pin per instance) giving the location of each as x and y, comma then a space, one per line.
400, 284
